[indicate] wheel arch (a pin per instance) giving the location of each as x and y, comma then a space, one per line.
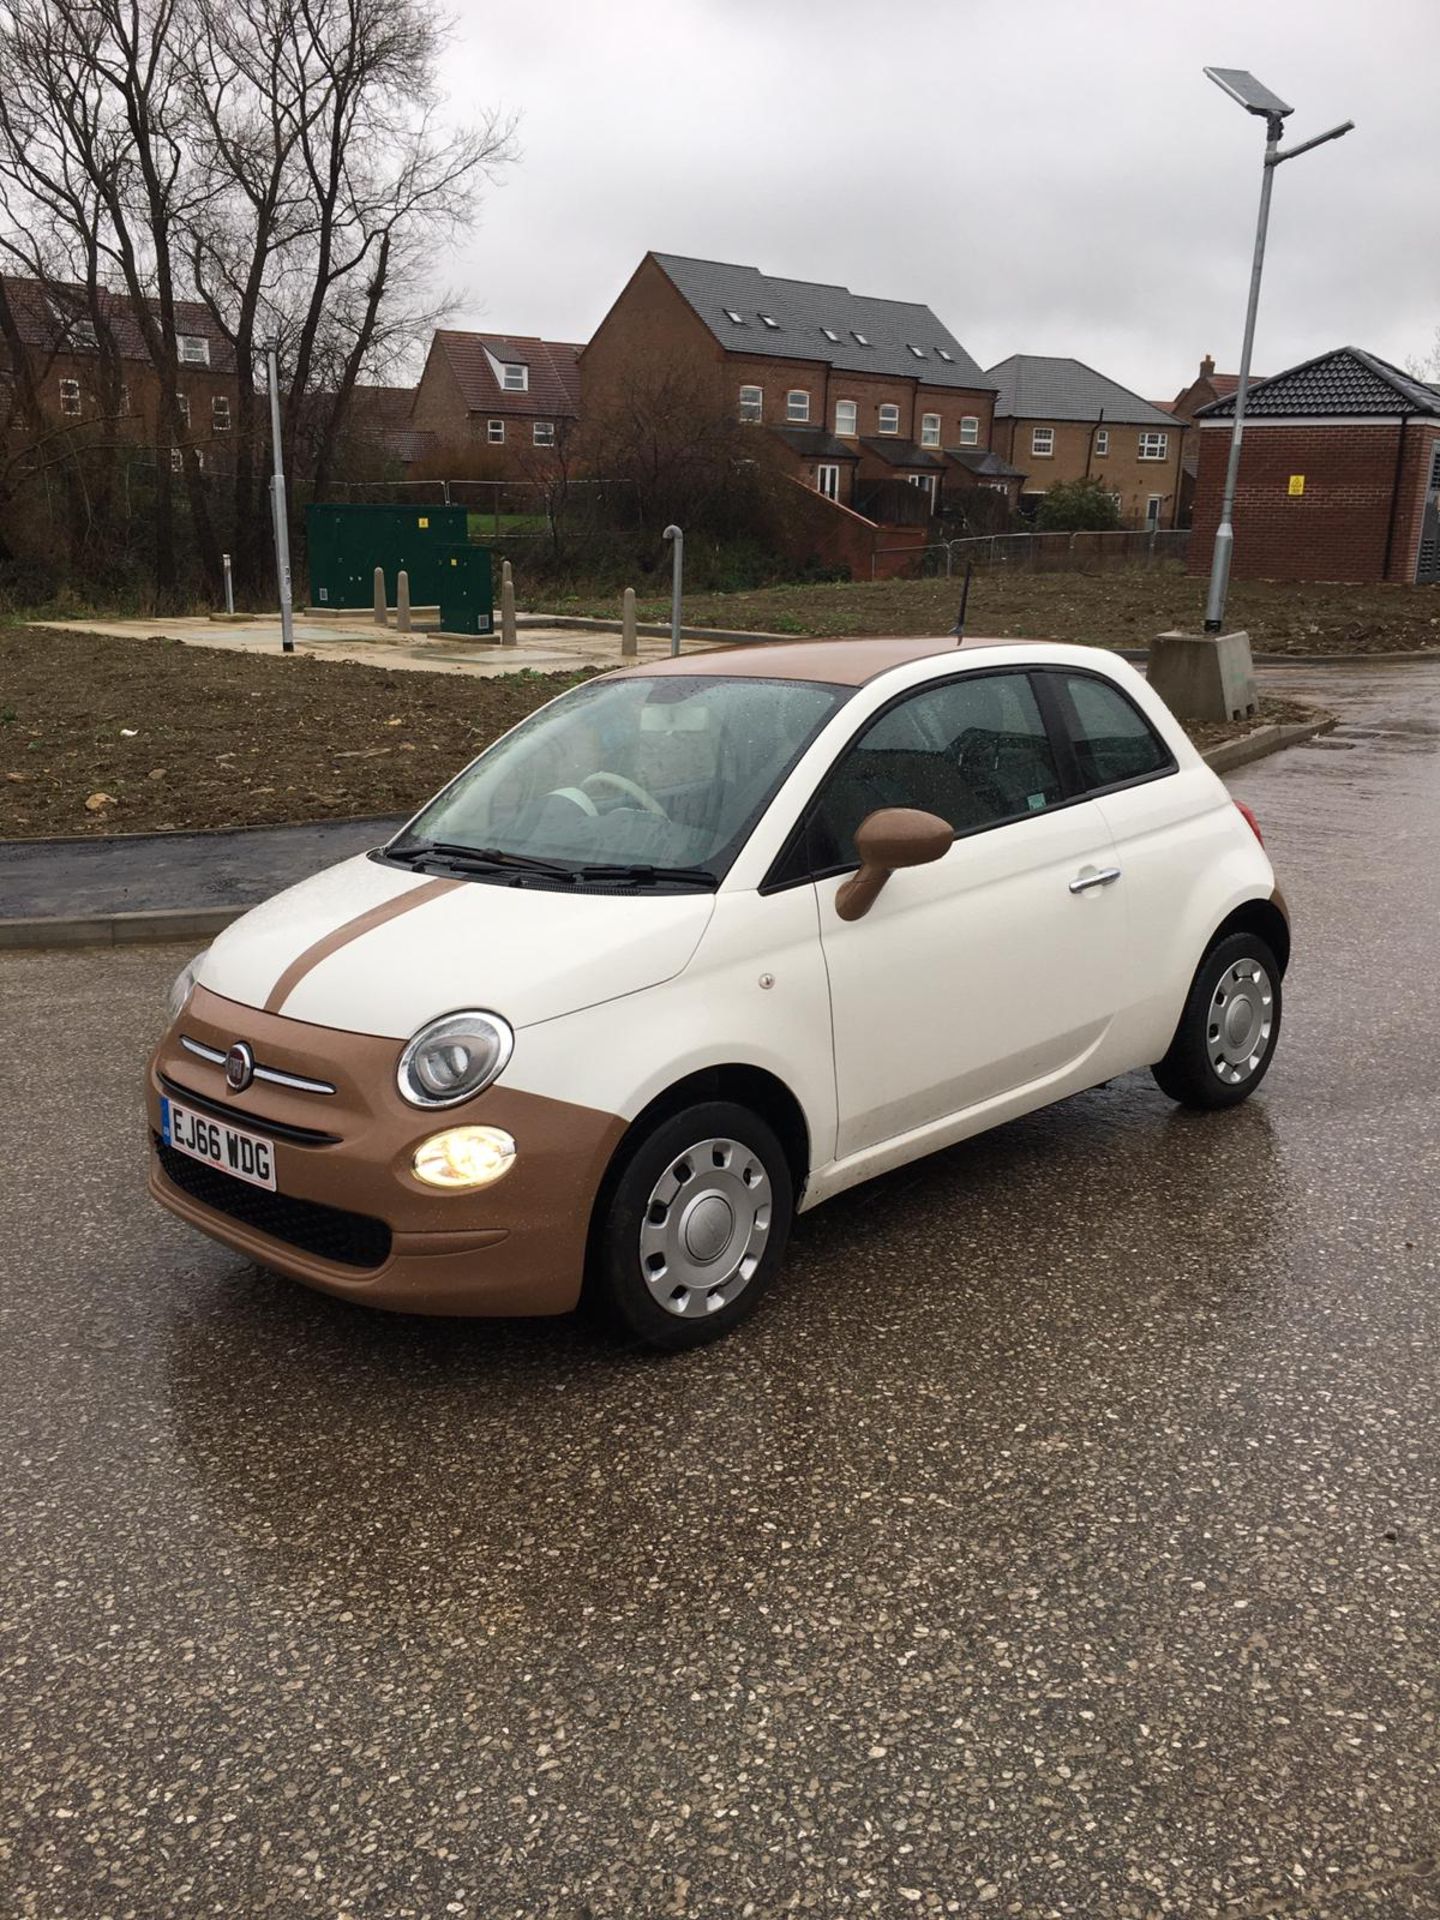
1263, 917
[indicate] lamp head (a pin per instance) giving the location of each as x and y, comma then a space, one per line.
1245, 88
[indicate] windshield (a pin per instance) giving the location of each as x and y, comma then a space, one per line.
665, 773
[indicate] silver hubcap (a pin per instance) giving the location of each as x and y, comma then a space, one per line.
705, 1228
1242, 1018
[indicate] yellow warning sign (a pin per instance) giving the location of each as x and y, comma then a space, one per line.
424, 520
1297, 485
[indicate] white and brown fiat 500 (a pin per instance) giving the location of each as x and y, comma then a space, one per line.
697, 946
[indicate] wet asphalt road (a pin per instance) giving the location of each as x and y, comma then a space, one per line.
1061, 1539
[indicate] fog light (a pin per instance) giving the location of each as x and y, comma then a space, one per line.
464, 1157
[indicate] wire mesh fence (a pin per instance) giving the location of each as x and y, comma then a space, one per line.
1043, 552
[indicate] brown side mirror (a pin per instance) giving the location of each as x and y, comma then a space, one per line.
890, 838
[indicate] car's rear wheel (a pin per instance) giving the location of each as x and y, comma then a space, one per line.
695, 1226
1226, 1038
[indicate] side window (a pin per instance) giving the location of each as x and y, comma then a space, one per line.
1113, 739
975, 751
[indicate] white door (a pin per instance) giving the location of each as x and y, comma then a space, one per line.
1152, 511
827, 481
990, 970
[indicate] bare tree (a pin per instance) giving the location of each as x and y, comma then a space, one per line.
280, 160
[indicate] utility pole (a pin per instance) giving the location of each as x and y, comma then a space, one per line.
277, 508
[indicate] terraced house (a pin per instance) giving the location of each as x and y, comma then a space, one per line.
1060, 420
512, 397
863, 396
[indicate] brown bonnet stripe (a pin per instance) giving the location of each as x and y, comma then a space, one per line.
350, 930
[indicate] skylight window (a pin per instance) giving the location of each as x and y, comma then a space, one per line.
858, 338
769, 321
738, 319
830, 334
945, 356
919, 352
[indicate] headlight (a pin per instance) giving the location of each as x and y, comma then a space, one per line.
183, 988
454, 1058
464, 1157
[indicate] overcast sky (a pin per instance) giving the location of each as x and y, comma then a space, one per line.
1052, 177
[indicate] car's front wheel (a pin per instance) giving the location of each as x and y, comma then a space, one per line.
695, 1226
1226, 1037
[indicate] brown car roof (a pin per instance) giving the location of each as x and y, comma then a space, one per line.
845, 663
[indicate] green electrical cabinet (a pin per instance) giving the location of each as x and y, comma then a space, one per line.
467, 597
345, 544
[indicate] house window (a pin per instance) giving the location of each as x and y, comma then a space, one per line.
929, 429
193, 348
1154, 446
1042, 443
124, 399
926, 482
970, 430
827, 480
177, 460
889, 418
515, 378
752, 405
1102, 443
919, 352
768, 320
847, 419
220, 413
735, 319
495, 432
948, 358
542, 433
797, 404
69, 396
830, 334
859, 338
182, 402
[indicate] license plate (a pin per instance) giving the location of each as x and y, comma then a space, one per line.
245, 1155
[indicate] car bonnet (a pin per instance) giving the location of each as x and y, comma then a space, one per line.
370, 948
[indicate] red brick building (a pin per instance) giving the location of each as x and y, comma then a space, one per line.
864, 396
512, 398
1339, 474
87, 369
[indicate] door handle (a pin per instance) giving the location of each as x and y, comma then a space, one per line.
1102, 877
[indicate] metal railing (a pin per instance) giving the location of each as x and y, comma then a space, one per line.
1046, 552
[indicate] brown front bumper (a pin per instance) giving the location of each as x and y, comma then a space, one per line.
515, 1248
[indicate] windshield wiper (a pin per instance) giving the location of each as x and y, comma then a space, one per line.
480, 857
647, 875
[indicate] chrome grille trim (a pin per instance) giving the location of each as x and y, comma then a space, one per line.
216, 1058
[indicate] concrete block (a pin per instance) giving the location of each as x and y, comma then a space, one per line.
1204, 676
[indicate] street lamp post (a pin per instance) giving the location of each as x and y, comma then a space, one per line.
279, 512
1247, 90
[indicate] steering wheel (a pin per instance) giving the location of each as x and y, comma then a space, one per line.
622, 785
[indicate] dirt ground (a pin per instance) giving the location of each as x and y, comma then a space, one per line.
1124, 608
181, 736
157, 735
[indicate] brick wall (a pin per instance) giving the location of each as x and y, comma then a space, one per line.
1122, 469
1337, 529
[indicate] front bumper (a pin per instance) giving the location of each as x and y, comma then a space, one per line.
515, 1248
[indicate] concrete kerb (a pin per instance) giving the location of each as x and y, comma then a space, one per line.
184, 923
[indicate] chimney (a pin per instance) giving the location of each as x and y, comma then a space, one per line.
1207, 366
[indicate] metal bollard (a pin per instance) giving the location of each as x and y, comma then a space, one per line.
229, 585
629, 643
381, 612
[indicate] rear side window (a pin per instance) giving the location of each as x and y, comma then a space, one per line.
1114, 742
974, 751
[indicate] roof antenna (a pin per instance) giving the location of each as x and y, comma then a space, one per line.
959, 627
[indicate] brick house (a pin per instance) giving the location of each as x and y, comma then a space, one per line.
513, 396
1339, 474
1204, 390
95, 376
1060, 420
863, 397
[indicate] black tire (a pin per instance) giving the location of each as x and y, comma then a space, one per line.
627, 1222
1198, 1071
